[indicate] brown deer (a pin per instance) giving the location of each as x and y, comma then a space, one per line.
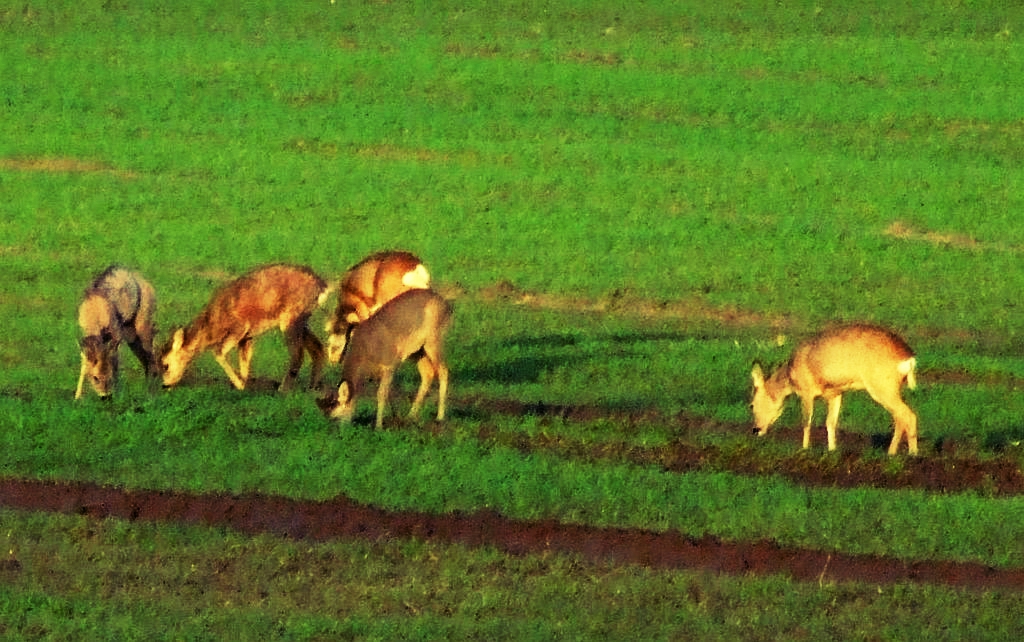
368, 285
282, 296
118, 306
854, 357
412, 324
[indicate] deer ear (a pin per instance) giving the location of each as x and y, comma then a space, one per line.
757, 374
179, 339
344, 392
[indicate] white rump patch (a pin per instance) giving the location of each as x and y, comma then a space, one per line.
417, 279
906, 368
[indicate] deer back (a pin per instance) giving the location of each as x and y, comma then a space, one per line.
116, 300
277, 295
851, 357
376, 280
414, 320
369, 285
272, 296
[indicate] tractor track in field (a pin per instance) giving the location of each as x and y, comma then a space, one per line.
940, 468
342, 518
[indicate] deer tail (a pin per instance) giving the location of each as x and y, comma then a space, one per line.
906, 368
417, 278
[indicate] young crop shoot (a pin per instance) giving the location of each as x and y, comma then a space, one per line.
281, 296
412, 324
118, 306
854, 357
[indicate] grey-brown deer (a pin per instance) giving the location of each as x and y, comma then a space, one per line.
853, 357
119, 305
368, 285
275, 296
413, 324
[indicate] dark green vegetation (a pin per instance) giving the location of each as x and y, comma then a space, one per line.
167, 582
631, 203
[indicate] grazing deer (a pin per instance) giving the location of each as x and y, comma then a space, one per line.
282, 296
412, 324
855, 357
118, 306
368, 285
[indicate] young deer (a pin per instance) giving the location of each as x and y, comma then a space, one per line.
118, 306
368, 285
282, 296
855, 357
412, 324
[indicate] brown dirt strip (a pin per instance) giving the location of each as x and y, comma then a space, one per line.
62, 165
940, 469
996, 477
341, 518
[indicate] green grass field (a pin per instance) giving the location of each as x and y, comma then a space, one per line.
630, 203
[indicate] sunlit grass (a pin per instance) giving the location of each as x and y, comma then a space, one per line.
765, 169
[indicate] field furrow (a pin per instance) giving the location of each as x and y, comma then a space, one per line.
343, 518
848, 468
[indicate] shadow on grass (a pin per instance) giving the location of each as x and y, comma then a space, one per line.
543, 353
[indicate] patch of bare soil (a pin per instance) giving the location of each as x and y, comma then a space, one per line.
62, 165
902, 231
939, 468
627, 303
697, 310
342, 518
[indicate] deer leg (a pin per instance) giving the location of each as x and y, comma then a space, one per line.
897, 437
426, 378
150, 364
832, 420
221, 356
294, 340
807, 403
903, 418
911, 431
442, 389
81, 379
144, 330
905, 422
383, 391
245, 347
315, 349
143, 353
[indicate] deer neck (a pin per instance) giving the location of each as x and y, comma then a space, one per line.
780, 384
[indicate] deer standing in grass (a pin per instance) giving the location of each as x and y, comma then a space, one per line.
855, 357
118, 306
413, 324
281, 296
368, 285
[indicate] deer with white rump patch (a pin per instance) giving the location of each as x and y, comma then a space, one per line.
413, 324
368, 285
281, 296
118, 306
854, 357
